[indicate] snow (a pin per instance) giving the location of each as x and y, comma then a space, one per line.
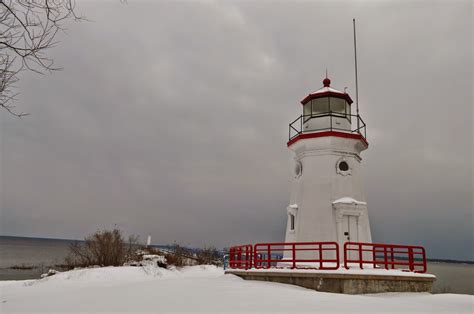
348, 200
199, 289
154, 258
327, 89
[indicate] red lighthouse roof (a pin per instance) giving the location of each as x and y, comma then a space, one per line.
326, 91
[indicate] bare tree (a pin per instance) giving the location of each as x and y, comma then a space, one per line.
103, 248
28, 29
209, 256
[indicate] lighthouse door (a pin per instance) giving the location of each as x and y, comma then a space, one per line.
349, 224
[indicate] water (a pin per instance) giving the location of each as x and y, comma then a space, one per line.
45, 253
41, 254
452, 278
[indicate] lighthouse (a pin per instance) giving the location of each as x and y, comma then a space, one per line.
328, 225
327, 201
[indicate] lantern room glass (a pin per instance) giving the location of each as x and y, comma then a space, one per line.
338, 105
326, 105
320, 105
307, 110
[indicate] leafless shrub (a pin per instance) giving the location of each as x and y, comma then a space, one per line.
209, 256
178, 256
103, 248
182, 256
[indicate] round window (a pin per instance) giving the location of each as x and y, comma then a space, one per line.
343, 166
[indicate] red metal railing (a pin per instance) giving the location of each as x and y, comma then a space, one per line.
388, 256
299, 255
325, 255
241, 256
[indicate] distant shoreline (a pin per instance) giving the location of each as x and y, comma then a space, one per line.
37, 238
435, 260
450, 261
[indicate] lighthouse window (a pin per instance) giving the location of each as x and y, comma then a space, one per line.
343, 166
307, 111
338, 105
292, 222
320, 105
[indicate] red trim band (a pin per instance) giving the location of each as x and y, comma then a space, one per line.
301, 136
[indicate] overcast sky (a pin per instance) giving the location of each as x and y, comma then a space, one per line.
171, 119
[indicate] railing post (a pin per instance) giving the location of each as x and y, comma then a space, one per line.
358, 122
236, 261
293, 248
256, 260
424, 260
345, 256
410, 259
365, 131
269, 256
374, 256
385, 256
246, 257
250, 248
239, 257
234, 258
392, 258
320, 256
360, 257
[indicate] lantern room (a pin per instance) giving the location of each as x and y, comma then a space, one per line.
327, 109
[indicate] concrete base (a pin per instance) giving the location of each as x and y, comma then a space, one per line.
343, 281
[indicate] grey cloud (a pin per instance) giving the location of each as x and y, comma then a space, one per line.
171, 119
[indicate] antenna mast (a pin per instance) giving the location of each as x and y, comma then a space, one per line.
355, 63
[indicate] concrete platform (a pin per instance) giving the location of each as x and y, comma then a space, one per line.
355, 281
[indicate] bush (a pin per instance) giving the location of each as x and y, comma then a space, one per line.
103, 248
179, 256
209, 256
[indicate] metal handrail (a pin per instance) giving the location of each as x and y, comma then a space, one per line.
296, 127
325, 255
241, 256
389, 256
320, 255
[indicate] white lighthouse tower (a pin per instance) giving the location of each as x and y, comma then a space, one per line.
327, 197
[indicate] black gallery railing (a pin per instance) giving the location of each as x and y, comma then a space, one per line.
331, 123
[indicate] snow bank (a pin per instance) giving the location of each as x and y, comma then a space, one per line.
348, 200
198, 289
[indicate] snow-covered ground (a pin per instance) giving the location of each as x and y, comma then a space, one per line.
199, 289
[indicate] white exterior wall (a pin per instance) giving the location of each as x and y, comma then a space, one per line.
313, 192
322, 123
